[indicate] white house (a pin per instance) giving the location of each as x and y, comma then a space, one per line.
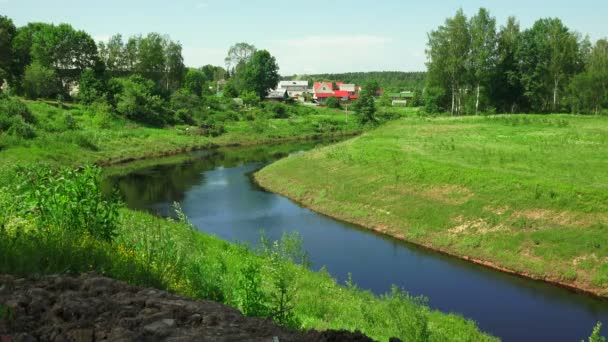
293, 88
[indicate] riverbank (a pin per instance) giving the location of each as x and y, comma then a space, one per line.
154, 252
117, 141
521, 194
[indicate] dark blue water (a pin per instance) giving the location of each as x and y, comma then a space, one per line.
216, 193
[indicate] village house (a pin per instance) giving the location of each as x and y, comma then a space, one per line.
324, 90
401, 98
293, 88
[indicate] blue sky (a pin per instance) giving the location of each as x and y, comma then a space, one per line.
306, 37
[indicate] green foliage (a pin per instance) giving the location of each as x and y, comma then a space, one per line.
595, 335
22, 129
277, 110
250, 98
195, 81
68, 200
39, 81
366, 108
261, 73
230, 90
136, 101
91, 87
333, 102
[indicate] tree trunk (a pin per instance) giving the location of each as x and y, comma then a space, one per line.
477, 100
555, 94
453, 97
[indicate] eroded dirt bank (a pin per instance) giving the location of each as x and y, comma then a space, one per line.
91, 308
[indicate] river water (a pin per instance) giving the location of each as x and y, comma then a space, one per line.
217, 194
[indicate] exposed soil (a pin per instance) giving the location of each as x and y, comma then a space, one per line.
95, 308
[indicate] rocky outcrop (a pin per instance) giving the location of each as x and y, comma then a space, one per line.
95, 308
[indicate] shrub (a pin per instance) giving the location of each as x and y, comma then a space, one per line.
10, 107
39, 81
333, 102
277, 110
68, 201
136, 101
91, 87
22, 129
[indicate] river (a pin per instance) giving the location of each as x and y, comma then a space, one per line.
216, 192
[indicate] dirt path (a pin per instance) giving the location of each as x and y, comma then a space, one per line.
94, 308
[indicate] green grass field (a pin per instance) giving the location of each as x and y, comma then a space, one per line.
528, 193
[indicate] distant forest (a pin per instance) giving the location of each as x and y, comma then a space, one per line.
388, 80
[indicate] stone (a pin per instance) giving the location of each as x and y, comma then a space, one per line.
160, 328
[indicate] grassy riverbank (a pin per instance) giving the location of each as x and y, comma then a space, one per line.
74, 135
523, 193
59, 223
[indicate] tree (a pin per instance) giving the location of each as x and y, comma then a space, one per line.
589, 89
213, 73
365, 107
482, 56
195, 81
114, 54
239, 52
447, 53
261, 73
548, 57
39, 81
7, 33
230, 90
63, 48
174, 65
507, 88
91, 88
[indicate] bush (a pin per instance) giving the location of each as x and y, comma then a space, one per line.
22, 129
136, 101
39, 81
68, 201
11, 107
91, 88
277, 110
333, 102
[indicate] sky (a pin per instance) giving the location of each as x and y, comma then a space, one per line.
306, 37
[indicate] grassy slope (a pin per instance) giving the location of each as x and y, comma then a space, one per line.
155, 252
123, 140
526, 193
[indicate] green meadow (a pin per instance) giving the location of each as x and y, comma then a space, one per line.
525, 193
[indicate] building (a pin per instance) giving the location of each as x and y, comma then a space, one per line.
278, 95
294, 88
348, 87
325, 90
401, 98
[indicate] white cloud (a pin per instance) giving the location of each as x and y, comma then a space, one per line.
202, 4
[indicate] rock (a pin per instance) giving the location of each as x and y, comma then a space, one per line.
160, 328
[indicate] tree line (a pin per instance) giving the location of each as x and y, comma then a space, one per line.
142, 78
474, 67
